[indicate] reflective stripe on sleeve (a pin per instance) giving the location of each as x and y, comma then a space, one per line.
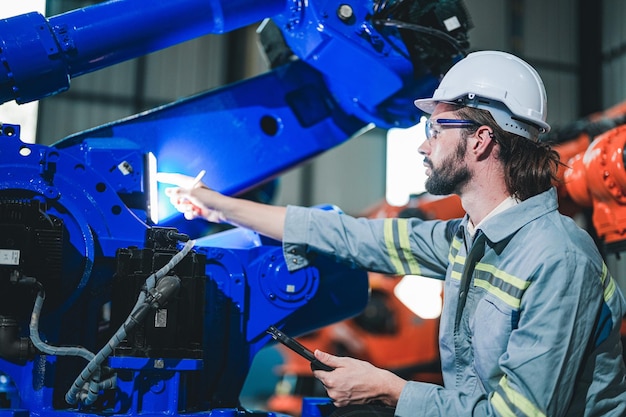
608, 284
604, 325
508, 402
398, 245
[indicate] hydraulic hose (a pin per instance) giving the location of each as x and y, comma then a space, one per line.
44, 347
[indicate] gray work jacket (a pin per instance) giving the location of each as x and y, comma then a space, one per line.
531, 318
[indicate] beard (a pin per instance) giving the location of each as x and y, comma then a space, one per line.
452, 174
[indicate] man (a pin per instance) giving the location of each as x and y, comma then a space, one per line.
531, 318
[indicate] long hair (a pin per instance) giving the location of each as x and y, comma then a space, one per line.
530, 167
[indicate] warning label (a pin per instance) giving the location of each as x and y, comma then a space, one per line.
9, 257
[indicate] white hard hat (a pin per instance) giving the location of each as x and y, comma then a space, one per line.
505, 85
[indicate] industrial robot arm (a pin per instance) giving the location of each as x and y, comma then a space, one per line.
75, 217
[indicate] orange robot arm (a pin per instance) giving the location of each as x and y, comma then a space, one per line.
597, 179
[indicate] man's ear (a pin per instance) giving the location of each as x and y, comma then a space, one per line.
483, 141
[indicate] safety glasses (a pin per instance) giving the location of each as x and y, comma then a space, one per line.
433, 127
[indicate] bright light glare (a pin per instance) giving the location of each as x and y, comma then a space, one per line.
421, 295
13, 8
24, 115
153, 200
406, 173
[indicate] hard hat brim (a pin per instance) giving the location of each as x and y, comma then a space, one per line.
427, 105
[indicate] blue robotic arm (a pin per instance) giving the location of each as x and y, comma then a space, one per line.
41, 55
75, 216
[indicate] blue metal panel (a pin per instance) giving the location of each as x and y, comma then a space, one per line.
241, 135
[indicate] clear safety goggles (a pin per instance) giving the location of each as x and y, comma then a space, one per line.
434, 127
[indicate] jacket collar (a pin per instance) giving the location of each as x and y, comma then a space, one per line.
509, 221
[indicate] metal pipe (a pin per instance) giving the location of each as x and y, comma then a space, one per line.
38, 56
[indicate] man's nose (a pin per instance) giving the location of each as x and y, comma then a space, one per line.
424, 148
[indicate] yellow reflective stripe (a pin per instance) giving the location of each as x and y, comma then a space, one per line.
396, 235
503, 285
605, 272
458, 263
454, 249
405, 245
504, 276
518, 400
503, 295
500, 406
391, 247
456, 243
609, 289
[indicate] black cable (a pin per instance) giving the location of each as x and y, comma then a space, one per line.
425, 30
